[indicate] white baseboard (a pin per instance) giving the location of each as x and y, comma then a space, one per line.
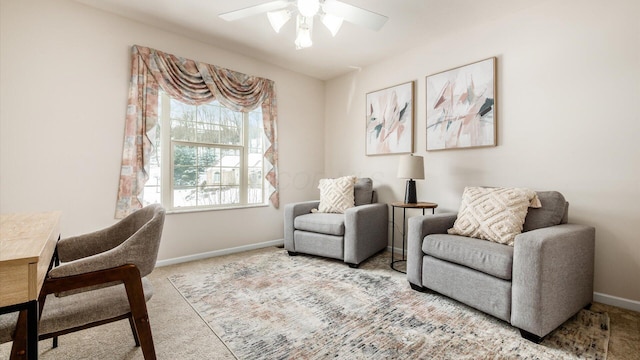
617, 301
214, 253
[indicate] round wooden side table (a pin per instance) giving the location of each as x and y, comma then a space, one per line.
404, 206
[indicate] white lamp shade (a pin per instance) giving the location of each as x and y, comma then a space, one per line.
332, 22
411, 167
278, 18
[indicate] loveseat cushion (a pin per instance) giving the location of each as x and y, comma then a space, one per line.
323, 223
488, 257
552, 211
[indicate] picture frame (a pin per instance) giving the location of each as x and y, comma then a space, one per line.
461, 107
390, 114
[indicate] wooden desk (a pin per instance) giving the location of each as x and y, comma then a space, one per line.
27, 243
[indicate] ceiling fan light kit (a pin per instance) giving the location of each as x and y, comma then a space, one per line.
331, 12
303, 32
308, 8
332, 22
277, 19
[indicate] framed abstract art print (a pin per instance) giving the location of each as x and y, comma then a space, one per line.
390, 116
461, 105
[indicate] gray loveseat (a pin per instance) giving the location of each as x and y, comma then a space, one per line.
352, 237
536, 285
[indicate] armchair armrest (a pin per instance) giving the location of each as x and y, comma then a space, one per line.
418, 228
76, 247
552, 276
291, 211
369, 223
125, 253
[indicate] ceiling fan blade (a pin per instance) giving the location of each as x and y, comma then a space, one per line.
354, 14
255, 10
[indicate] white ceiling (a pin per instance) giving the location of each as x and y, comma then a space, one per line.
410, 22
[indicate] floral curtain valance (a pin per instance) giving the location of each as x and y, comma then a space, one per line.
194, 83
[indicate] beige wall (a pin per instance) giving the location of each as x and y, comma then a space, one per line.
568, 83
568, 91
64, 72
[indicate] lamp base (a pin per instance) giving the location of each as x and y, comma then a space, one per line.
410, 192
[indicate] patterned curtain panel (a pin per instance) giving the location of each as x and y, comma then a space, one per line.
193, 83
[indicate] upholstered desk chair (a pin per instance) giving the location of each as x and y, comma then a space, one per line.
352, 236
101, 280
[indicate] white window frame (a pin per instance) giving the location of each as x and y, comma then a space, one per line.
167, 164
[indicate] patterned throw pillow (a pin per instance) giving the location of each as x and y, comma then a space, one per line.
494, 214
336, 195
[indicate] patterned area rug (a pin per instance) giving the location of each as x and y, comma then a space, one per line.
272, 306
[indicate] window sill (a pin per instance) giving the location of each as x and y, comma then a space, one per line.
222, 208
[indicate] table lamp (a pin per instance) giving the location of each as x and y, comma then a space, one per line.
411, 167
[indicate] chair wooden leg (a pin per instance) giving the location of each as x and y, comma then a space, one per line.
138, 306
55, 342
133, 330
19, 347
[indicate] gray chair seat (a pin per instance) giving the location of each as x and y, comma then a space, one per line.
332, 224
486, 256
77, 310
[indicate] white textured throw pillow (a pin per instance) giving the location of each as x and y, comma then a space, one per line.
494, 214
336, 195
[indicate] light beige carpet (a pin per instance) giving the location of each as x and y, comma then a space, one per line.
179, 332
273, 306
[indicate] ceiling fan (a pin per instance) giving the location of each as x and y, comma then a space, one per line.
331, 13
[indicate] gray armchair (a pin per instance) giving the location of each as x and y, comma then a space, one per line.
101, 280
352, 237
536, 285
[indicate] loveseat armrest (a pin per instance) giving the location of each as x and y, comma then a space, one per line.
552, 276
291, 211
366, 231
418, 228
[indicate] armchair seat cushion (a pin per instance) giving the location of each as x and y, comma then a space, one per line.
322, 223
488, 257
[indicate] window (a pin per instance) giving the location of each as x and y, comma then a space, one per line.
206, 156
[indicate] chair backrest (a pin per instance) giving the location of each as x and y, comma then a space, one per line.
141, 248
363, 191
554, 211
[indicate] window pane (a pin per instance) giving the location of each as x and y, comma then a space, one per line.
255, 195
207, 133
151, 192
208, 156
184, 197
208, 195
183, 121
185, 171
183, 130
230, 195
209, 113
229, 167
